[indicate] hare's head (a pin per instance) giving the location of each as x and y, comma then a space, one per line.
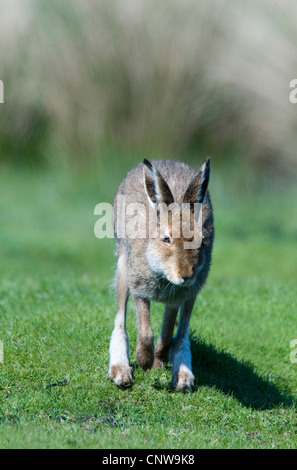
175, 248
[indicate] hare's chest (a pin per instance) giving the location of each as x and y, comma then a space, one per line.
159, 290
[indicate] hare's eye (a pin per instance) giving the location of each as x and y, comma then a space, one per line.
167, 240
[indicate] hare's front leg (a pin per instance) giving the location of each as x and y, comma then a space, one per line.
180, 355
145, 338
119, 369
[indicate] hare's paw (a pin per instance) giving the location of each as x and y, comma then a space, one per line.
158, 363
121, 375
161, 355
184, 380
160, 359
145, 352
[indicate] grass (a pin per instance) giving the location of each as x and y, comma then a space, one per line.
57, 312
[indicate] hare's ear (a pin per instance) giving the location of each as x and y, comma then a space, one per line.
156, 188
197, 188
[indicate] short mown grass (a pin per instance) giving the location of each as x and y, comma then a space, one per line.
57, 310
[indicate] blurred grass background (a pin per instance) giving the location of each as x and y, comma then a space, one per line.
179, 79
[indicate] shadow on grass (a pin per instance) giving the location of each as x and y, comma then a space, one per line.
219, 369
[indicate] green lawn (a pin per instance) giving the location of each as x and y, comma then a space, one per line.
57, 310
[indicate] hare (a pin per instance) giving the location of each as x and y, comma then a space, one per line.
159, 265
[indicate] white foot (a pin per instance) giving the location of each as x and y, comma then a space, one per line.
121, 375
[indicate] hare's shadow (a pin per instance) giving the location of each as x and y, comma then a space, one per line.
219, 369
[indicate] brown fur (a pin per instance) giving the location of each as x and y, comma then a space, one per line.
145, 339
164, 340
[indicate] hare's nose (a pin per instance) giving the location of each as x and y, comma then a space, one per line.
189, 277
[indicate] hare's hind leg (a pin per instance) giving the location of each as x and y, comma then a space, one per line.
145, 338
180, 353
165, 338
119, 369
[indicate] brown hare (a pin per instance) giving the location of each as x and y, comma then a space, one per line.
162, 264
